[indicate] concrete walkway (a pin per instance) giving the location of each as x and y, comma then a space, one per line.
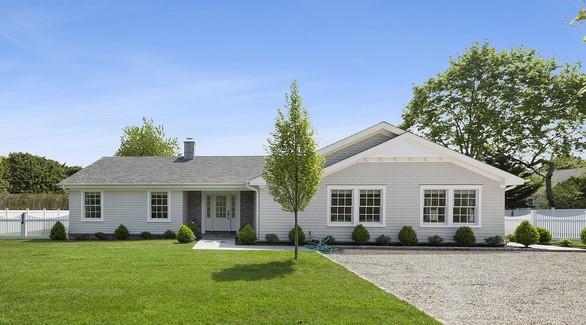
552, 248
229, 244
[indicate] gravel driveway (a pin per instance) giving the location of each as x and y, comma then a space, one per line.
481, 287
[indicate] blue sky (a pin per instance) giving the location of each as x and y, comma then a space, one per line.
73, 74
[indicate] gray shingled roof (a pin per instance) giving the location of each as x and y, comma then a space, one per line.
169, 170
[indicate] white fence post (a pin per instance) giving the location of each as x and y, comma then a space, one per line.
532, 217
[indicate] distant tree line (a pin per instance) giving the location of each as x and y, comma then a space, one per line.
29, 181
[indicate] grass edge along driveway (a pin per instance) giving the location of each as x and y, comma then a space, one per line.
159, 281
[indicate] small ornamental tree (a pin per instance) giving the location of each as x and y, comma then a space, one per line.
526, 234
293, 166
58, 231
146, 140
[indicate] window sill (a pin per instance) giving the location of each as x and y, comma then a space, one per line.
92, 220
454, 225
158, 221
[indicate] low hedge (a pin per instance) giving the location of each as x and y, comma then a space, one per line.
58, 231
407, 236
121, 233
300, 235
246, 235
464, 236
360, 235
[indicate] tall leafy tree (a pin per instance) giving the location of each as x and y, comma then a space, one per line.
580, 17
147, 140
28, 173
3, 175
512, 104
293, 166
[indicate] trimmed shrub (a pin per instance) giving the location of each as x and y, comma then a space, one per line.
525, 234
511, 238
565, 243
583, 236
360, 235
121, 233
301, 235
58, 231
464, 236
169, 234
100, 236
246, 235
81, 237
185, 235
383, 240
407, 236
330, 240
544, 235
195, 230
146, 235
435, 240
272, 238
494, 241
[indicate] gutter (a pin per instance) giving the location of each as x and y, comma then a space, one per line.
256, 208
510, 187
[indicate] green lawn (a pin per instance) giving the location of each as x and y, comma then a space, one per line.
575, 243
162, 282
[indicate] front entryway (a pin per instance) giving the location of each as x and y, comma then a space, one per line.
222, 211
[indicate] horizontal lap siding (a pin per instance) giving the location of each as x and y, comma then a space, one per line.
402, 195
129, 208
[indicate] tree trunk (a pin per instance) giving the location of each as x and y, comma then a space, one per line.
548, 185
296, 234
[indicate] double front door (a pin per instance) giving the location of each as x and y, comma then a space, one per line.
222, 211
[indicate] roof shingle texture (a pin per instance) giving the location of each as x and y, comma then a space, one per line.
169, 170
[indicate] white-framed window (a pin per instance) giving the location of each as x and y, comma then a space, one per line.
350, 205
159, 206
341, 205
450, 205
92, 206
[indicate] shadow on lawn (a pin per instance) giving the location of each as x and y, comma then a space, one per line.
254, 272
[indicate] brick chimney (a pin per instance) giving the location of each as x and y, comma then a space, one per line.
188, 149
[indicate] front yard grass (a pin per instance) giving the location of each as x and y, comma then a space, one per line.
159, 281
575, 243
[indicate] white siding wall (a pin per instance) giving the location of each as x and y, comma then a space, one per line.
129, 208
402, 201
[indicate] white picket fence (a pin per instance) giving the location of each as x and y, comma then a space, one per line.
30, 223
562, 224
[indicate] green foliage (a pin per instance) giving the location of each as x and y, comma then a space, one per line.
194, 229
383, 240
494, 241
526, 234
510, 238
301, 235
4, 184
58, 231
293, 166
565, 243
571, 193
185, 235
27, 173
34, 201
100, 236
272, 238
330, 240
583, 235
146, 235
464, 236
435, 240
511, 103
360, 235
544, 235
147, 140
169, 234
81, 237
407, 236
247, 235
121, 233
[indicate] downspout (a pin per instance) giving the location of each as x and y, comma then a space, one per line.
257, 207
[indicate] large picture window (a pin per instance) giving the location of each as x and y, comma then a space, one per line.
355, 204
159, 206
92, 205
450, 205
